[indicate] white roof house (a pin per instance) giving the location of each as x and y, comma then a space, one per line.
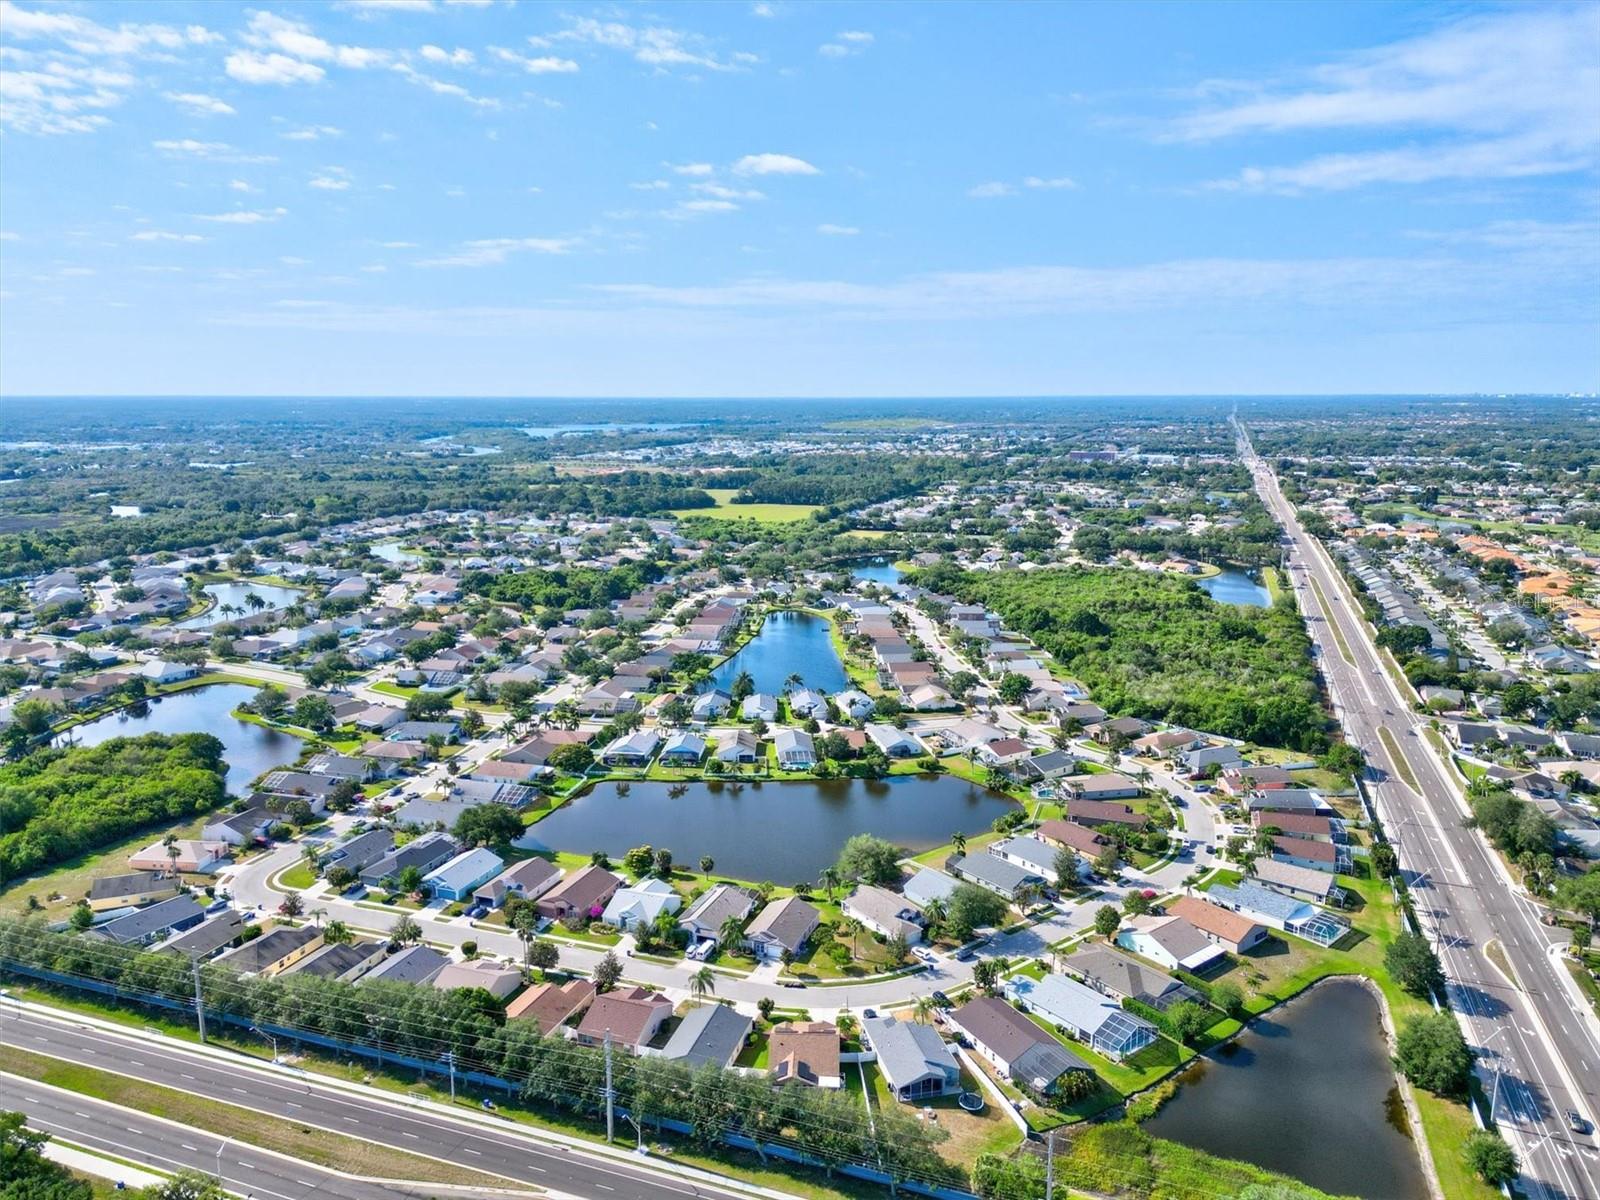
895, 743
640, 904
759, 706
1082, 1012
796, 751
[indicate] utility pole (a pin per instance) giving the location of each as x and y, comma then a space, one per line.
199, 998
1050, 1165
450, 1061
611, 1096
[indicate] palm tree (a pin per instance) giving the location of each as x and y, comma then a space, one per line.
312, 856
959, 841
845, 1023
829, 878
316, 917
923, 1010
853, 928
706, 865
336, 933
664, 928
730, 933
795, 680
255, 602
173, 852
934, 911
703, 983
526, 926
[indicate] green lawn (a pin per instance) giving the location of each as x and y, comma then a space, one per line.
59, 887
765, 514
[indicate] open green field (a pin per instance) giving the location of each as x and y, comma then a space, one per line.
765, 514
70, 880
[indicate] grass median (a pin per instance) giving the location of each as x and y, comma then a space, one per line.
331, 1150
1328, 619
1401, 766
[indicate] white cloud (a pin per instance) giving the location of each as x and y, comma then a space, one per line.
249, 67
201, 104
1059, 183
330, 179
656, 46
371, 6
89, 37
694, 168
216, 151
60, 97
458, 57
239, 185
161, 235
7, 235
312, 133
762, 9
544, 64
489, 252
442, 88
651, 185
686, 209
1496, 95
991, 190
773, 164
398, 245
244, 216
722, 192
851, 41
832, 230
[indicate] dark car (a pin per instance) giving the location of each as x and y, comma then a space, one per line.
1575, 1121
940, 999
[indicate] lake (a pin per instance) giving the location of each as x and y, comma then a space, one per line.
1308, 1090
876, 570
1235, 587
790, 643
235, 594
249, 749
391, 552
784, 832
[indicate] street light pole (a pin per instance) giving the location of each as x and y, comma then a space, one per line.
221, 1146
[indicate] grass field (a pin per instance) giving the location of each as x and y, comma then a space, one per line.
70, 880
765, 514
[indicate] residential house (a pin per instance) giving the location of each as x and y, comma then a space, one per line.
1019, 1050
1227, 929
498, 979
1203, 758
457, 878
145, 925
360, 851
1120, 729
795, 749
638, 906
805, 1053
782, 925
1096, 789
1083, 1013
630, 1016
425, 853
527, 880
274, 951
884, 913
191, 857
704, 918
550, 1005
1304, 883
584, 891
1034, 855
804, 702
134, 890
1250, 901
854, 705
537, 750
414, 964
912, 1058
994, 873
895, 743
928, 885
737, 746
759, 706
709, 1033
1169, 940
631, 749
205, 939
1072, 836
683, 748
1123, 978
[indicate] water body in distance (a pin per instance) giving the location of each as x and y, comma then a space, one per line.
1235, 587
785, 832
248, 749
790, 643
235, 595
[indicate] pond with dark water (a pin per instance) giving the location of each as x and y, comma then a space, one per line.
1235, 587
1309, 1091
248, 749
785, 832
235, 597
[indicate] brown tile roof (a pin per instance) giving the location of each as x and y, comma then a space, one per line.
627, 1014
803, 1052
1211, 918
1065, 833
549, 1005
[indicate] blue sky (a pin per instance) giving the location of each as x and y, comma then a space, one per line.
461, 197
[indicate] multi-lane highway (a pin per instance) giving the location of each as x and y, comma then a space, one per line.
1539, 1050
487, 1144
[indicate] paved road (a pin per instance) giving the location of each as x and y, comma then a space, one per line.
126, 1134
486, 1143
1539, 1048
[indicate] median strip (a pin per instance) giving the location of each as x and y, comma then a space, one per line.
1401, 766
1328, 619
333, 1151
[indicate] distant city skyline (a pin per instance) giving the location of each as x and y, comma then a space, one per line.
471, 197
